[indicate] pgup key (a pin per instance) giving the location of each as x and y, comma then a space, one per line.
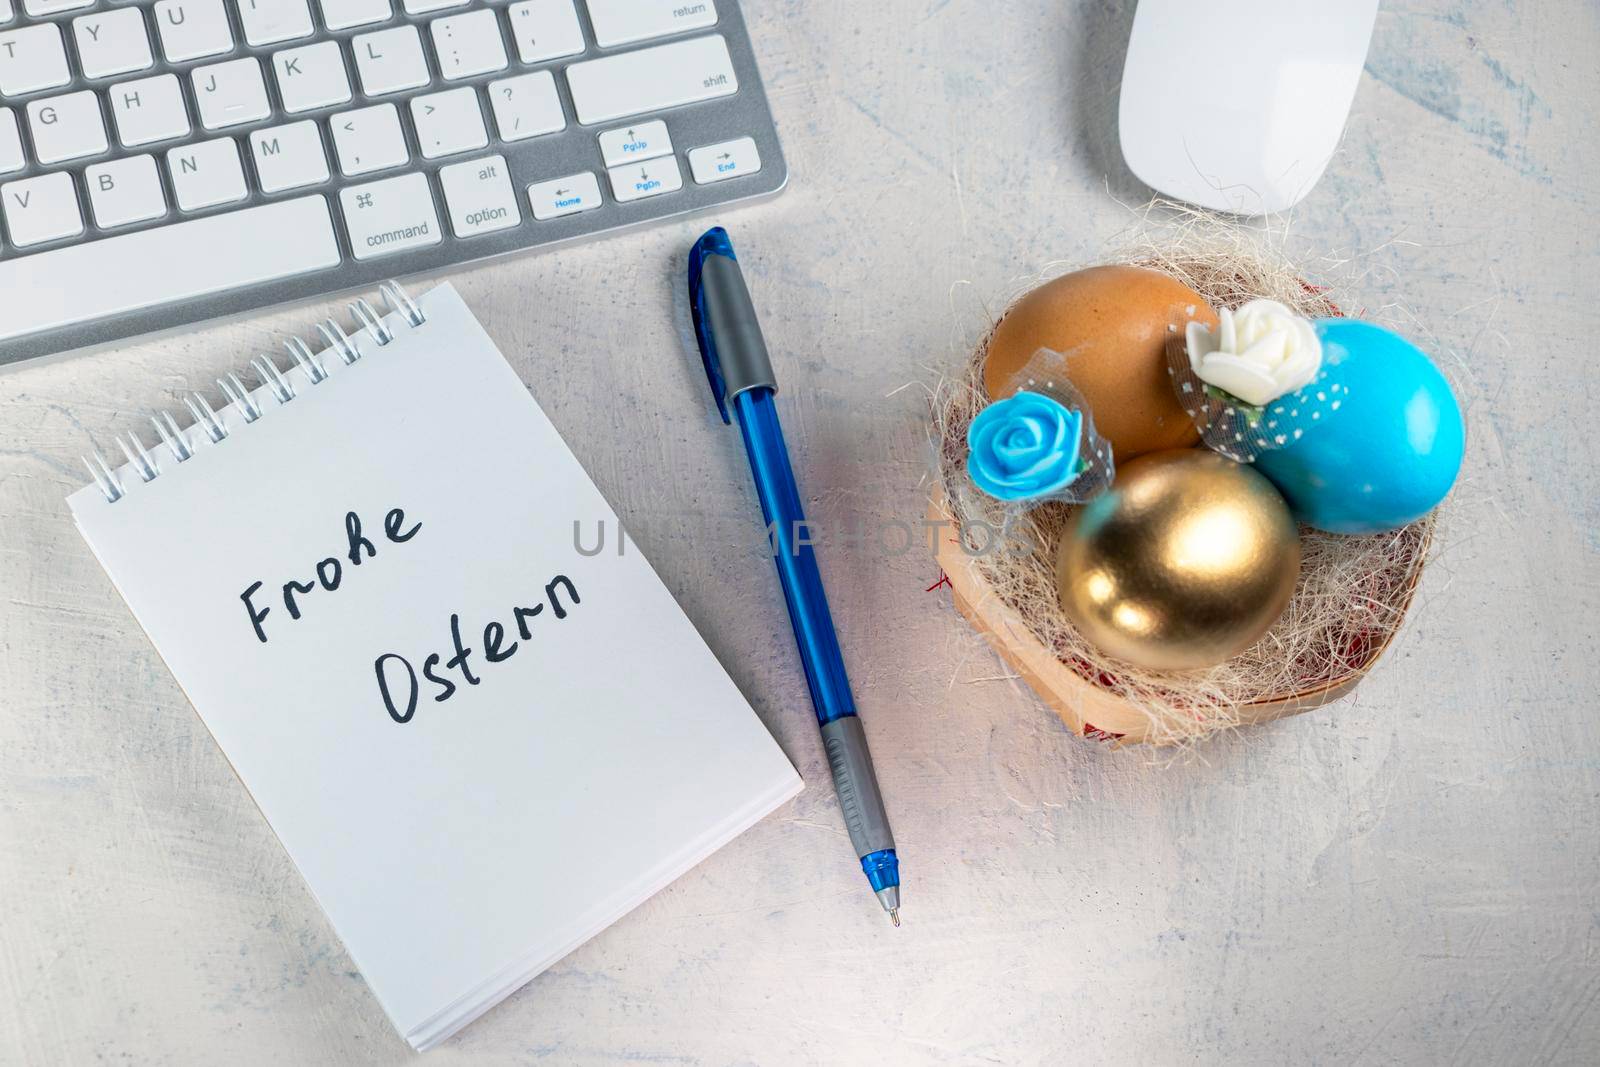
642, 140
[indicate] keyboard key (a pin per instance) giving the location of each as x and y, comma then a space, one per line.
390, 61
448, 122
149, 110
11, 157
192, 29
667, 75
112, 42
479, 196
645, 140
67, 127
343, 14
311, 77
526, 106
468, 44
215, 254
564, 196
624, 21
125, 191
274, 21
422, 7
636, 181
38, 210
206, 174
32, 58
719, 162
390, 216
40, 8
289, 157
369, 139
231, 93
545, 29
7, 12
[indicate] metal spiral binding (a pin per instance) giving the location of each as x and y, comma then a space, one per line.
139, 457
372, 322
339, 341
240, 398
271, 377
171, 436
205, 417
104, 476
399, 300
309, 364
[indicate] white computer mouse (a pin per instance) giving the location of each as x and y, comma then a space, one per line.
1238, 105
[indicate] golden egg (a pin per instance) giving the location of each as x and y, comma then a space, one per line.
1184, 562
1112, 324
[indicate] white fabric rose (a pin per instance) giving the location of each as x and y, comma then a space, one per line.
1258, 353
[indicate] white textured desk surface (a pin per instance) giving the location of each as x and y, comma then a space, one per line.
1409, 876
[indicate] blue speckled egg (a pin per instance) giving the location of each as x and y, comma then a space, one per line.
1387, 444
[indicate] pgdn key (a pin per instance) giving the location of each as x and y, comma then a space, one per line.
651, 178
390, 216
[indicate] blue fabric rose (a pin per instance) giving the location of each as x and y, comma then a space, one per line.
1025, 446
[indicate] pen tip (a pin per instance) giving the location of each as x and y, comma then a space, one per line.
894, 917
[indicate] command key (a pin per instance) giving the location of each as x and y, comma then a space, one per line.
390, 216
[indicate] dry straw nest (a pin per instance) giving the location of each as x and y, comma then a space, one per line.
1351, 597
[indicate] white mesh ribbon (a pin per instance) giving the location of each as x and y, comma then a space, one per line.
1244, 431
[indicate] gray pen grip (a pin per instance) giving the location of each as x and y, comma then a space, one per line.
741, 350
857, 785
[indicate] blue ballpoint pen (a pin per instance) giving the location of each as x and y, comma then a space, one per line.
740, 373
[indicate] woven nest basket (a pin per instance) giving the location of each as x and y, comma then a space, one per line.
1350, 599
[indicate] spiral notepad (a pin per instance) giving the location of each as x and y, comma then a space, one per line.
480, 744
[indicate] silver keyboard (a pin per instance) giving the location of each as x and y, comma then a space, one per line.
165, 162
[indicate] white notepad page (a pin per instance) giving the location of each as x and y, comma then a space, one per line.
461, 852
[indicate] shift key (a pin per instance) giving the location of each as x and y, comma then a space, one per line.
390, 216
649, 79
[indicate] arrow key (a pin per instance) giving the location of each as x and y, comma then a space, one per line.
449, 122
564, 196
643, 140
639, 180
719, 162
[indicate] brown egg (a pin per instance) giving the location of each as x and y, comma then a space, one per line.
1111, 323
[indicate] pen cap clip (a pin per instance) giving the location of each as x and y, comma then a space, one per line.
725, 325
